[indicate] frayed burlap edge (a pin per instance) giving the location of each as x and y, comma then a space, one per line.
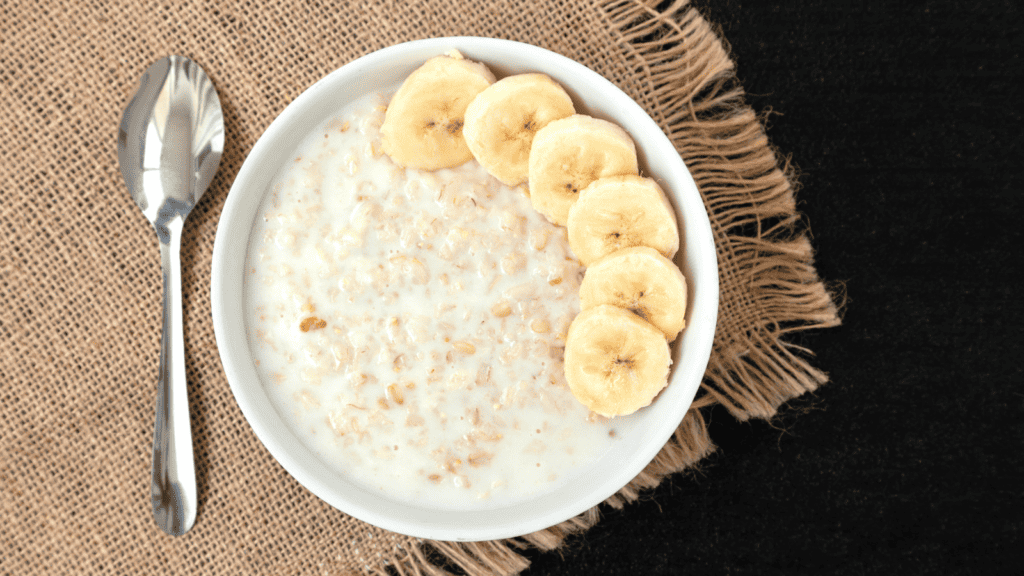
762, 249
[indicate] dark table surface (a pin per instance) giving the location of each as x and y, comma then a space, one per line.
904, 120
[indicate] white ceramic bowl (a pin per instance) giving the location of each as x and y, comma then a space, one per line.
641, 435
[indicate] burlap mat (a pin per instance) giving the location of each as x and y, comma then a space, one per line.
79, 318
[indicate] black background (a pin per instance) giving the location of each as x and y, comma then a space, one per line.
904, 120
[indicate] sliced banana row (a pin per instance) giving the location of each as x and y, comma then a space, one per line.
582, 173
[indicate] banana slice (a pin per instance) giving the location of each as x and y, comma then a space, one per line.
642, 281
569, 154
619, 212
615, 362
503, 119
423, 124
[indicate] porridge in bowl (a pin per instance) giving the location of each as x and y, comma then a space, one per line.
295, 428
410, 325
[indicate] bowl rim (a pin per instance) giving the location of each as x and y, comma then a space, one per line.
542, 511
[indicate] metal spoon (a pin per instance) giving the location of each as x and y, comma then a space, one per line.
169, 147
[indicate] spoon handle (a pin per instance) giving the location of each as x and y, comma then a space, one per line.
174, 475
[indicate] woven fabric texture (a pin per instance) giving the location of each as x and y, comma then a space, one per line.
80, 284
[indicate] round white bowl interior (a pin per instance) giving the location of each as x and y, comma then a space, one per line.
640, 435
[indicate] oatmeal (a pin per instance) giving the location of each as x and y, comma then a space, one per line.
410, 325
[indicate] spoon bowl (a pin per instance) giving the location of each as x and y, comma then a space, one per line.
169, 147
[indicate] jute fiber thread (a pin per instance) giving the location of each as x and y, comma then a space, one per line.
80, 279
